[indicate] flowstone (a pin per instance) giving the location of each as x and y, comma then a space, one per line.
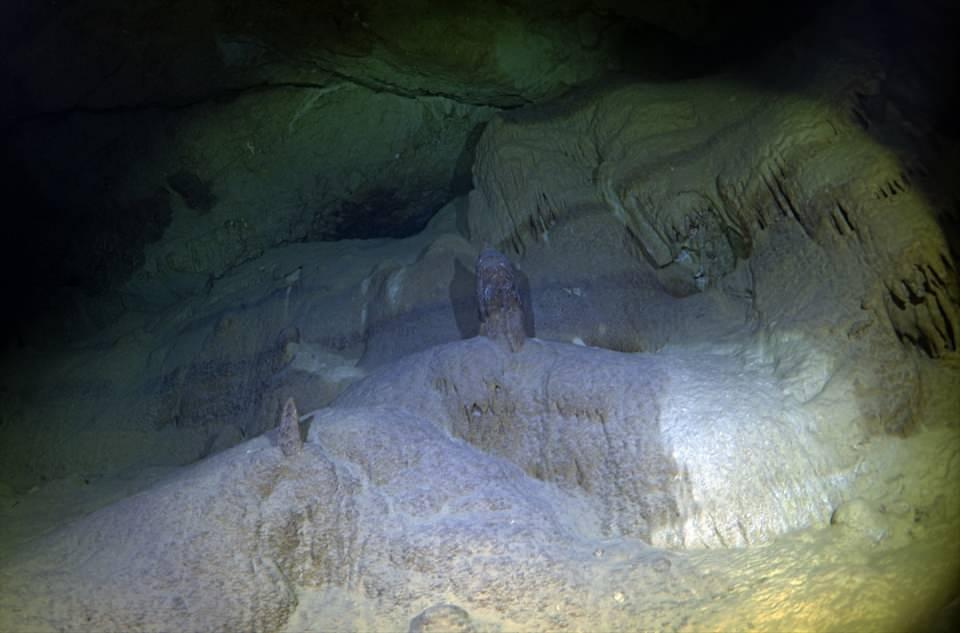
680, 450
476, 488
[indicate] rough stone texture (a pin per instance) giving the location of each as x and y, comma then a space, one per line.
195, 367
443, 617
484, 52
178, 138
202, 188
727, 184
858, 517
291, 444
145, 563
860, 286
777, 242
172, 138
645, 438
386, 515
499, 301
421, 298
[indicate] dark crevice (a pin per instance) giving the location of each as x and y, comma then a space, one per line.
950, 335
946, 262
912, 296
227, 95
224, 95
897, 301
846, 217
512, 101
937, 279
836, 225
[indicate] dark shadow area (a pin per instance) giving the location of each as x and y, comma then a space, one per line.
526, 300
731, 37
910, 107
463, 298
196, 193
914, 110
462, 180
62, 260
720, 36
377, 213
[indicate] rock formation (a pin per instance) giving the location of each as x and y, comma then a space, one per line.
556, 487
289, 430
740, 409
498, 297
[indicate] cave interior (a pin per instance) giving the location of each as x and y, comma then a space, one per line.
587, 315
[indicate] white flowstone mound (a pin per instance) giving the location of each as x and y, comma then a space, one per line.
680, 449
471, 485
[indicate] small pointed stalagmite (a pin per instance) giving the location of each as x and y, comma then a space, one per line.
289, 437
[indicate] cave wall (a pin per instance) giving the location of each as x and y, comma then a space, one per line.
151, 138
188, 138
799, 200
830, 223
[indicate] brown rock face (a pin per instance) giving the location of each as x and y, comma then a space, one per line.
498, 295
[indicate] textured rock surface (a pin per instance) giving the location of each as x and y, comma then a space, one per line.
648, 439
484, 52
498, 297
201, 188
176, 138
630, 236
775, 242
703, 205
288, 430
193, 137
443, 617
386, 515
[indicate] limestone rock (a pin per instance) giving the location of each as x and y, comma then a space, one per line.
455, 478
442, 618
426, 298
857, 517
289, 430
498, 296
648, 438
759, 219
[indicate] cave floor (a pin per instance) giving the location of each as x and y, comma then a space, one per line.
893, 575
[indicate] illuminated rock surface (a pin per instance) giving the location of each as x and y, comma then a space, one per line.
557, 487
735, 404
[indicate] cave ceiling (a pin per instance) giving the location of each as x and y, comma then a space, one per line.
185, 138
